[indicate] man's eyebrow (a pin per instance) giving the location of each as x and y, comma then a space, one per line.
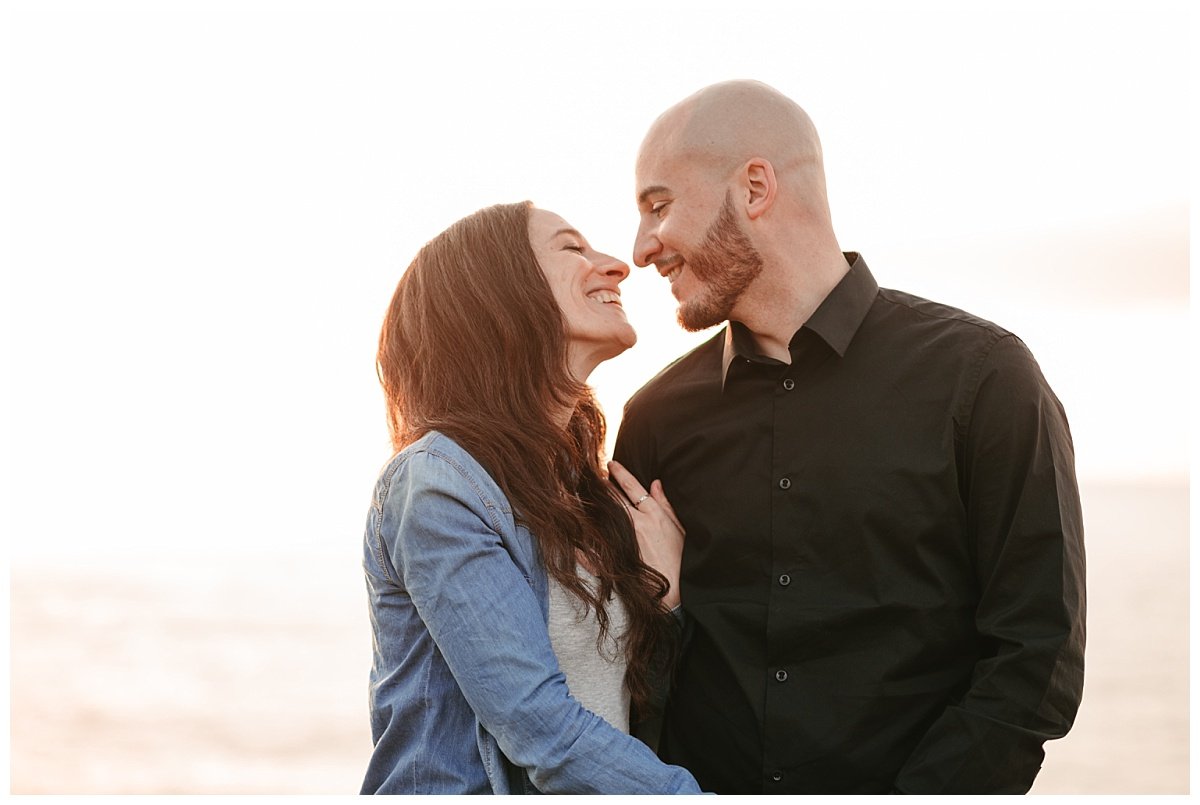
649, 191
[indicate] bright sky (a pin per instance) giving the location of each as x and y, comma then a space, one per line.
211, 203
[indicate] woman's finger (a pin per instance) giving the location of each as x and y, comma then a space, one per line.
660, 497
632, 488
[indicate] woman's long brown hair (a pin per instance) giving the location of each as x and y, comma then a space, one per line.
474, 346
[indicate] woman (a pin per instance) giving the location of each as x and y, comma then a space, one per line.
495, 539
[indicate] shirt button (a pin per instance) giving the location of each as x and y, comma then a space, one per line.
781, 675
785, 580
785, 483
789, 384
777, 776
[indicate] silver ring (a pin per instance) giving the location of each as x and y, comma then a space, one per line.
638, 502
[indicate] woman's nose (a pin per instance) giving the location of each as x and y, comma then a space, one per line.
611, 266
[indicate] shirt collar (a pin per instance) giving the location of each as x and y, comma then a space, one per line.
835, 320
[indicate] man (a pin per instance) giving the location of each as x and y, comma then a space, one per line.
883, 573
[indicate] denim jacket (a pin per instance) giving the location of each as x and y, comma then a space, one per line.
466, 694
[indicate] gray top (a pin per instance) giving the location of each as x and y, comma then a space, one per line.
596, 678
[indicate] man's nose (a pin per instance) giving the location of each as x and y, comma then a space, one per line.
646, 245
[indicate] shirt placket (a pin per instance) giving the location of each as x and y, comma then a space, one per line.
780, 581
784, 700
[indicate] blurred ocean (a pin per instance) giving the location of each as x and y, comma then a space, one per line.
247, 674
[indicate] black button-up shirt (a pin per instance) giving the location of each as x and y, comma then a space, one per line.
884, 568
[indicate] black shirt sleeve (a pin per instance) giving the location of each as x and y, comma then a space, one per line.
1018, 484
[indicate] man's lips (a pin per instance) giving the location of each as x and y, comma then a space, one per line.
670, 268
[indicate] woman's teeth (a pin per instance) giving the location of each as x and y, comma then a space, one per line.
607, 297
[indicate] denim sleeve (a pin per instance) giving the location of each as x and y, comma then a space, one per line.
486, 620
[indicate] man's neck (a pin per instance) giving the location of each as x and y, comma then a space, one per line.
782, 300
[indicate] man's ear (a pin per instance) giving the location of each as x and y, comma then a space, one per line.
758, 177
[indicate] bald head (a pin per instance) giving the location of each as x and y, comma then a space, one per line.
731, 173
726, 124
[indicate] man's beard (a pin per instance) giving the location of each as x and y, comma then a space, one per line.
726, 263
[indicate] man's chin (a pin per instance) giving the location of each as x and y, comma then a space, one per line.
694, 317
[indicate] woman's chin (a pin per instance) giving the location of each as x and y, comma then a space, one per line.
627, 340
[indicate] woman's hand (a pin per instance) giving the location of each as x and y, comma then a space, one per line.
659, 532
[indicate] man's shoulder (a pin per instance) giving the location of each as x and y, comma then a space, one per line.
908, 309
698, 367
